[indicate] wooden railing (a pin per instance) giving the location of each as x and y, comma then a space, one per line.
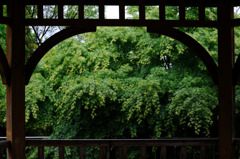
162, 147
236, 143
3, 145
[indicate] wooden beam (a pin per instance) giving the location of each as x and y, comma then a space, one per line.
119, 22
124, 142
209, 3
16, 89
226, 89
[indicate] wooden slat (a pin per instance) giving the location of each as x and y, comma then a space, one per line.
102, 153
122, 10
1, 153
40, 10
60, 11
108, 152
5, 144
114, 22
183, 152
163, 153
123, 153
203, 154
81, 152
182, 10
201, 11
143, 151
236, 141
214, 152
162, 10
61, 152
81, 10
101, 9
1, 10
40, 152
142, 14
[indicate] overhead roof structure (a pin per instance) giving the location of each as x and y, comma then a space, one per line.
207, 3
16, 72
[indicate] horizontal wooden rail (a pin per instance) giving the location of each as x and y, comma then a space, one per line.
208, 3
3, 145
236, 144
236, 141
27, 137
124, 144
5, 20
119, 22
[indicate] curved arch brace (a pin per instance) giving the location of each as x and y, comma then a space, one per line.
4, 68
50, 43
193, 45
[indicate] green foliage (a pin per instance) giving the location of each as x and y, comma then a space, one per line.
2, 110
91, 12
2, 87
3, 37
126, 69
193, 105
121, 83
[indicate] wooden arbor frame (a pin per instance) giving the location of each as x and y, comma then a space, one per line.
15, 73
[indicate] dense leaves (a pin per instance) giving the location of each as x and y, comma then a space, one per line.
124, 76
121, 83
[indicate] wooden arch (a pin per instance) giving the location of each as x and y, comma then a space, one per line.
50, 43
187, 40
170, 32
5, 70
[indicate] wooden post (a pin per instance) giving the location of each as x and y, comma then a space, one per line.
16, 88
226, 130
143, 152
